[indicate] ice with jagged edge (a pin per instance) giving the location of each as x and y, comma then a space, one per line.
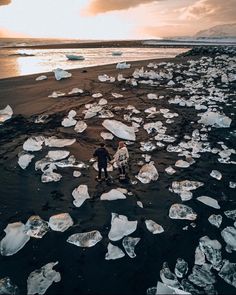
230, 214
61, 74
184, 188
215, 220
80, 126
147, 173
107, 135
113, 252
15, 239
180, 211
5, 114
57, 155
119, 129
202, 276
60, 222
80, 194
229, 236
169, 278
69, 120
34, 144
129, 244
216, 174
58, 142
215, 119
41, 279
7, 287
121, 227
211, 250
112, 195
181, 268
154, 227
87, 239
227, 273
36, 227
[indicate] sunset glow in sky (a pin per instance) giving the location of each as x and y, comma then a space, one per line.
111, 19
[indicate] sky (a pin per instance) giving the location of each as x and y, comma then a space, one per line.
112, 19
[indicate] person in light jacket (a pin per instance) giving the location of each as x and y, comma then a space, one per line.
121, 158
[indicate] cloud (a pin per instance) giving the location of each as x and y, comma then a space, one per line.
166, 31
5, 2
102, 6
212, 10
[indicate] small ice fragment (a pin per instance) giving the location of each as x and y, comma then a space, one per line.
36, 227
168, 277
216, 174
33, 144
154, 227
14, 240
107, 135
5, 114
80, 194
227, 273
97, 95
57, 142
76, 173
182, 164
229, 236
122, 65
80, 126
57, 155
112, 195
215, 220
200, 258
152, 96
129, 244
61, 74
169, 170
202, 276
102, 102
113, 252
140, 204
209, 201
121, 227
232, 184
212, 251
40, 78
181, 268
87, 239
148, 173
60, 222
180, 211
230, 214
76, 91
24, 159
41, 279
7, 287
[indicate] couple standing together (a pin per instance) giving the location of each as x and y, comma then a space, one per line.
120, 158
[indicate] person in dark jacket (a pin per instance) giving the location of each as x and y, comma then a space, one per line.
103, 157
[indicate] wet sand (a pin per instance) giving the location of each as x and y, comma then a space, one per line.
85, 271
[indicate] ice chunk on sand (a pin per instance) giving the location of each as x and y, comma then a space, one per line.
168, 277
202, 276
48, 174
36, 227
184, 188
215, 220
80, 126
200, 258
182, 164
169, 170
61, 74
122, 65
154, 227
33, 144
57, 155
181, 268
230, 214
215, 119
76, 91
140, 204
60, 222
112, 195
80, 194
41, 279
24, 159
216, 174
76, 173
209, 201
40, 78
227, 273
229, 236
68, 122
113, 252
119, 129
56, 94
152, 96
148, 173
88, 239
180, 211
107, 135
7, 287
129, 244
121, 227
57, 142
5, 114
163, 289
212, 251
14, 240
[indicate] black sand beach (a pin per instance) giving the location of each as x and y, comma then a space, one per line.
85, 270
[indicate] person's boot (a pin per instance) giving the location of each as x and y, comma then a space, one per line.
98, 179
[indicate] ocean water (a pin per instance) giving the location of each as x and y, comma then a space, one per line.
19, 62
